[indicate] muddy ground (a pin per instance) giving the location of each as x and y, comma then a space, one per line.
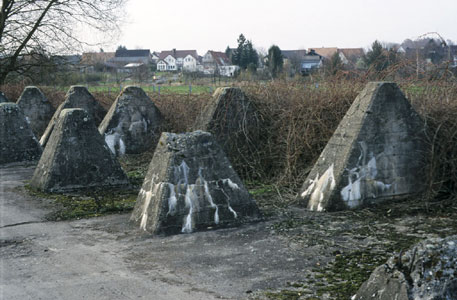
291, 254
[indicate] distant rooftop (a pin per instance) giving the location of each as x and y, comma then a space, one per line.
133, 53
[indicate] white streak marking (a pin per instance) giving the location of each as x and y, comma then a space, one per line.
365, 184
121, 147
110, 141
326, 183
187, 227
172, 200
232, 211
210, 200
148, 195
231, 183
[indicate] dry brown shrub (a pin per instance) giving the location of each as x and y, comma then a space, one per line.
180, 111
299, 119
436, 102
12, 91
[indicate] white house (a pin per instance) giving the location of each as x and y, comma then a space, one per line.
218, 62
190, 63
177, 60
161, 65
228, 71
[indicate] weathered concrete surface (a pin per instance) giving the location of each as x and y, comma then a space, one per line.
3, 98
76, 97
37, 109
376, 153
426, 271
15, 207
133, 123
109, 258
190, 185
106, 258
76, 157
17, 141
233, 121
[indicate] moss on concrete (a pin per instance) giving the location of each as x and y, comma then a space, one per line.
86, 203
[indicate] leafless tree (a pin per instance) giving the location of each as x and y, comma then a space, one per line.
31, 26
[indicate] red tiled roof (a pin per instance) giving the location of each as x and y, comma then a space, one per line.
352, 52
92, 58
326, 52
220, 58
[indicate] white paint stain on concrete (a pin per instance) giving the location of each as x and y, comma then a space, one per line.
111, 142
231, 184
228, 204
121, 147
172, 200
115, 143
318, 187
142, 124
182, 173
362, 181
189, 199
191, 196
232, 211
148, 195
210, 200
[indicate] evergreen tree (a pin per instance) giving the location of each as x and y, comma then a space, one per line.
251, 54
245, 53
239, 50
121, 48
229, 53
376, 57
275, 60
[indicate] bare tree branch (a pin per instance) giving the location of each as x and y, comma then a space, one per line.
28, 26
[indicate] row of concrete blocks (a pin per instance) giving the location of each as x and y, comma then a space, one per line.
377, 152
76, 155
380, 137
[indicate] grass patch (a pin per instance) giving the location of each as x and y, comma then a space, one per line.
87, 203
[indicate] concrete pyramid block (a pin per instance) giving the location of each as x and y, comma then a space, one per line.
37, 109
190, 185
76, 156
376, 153
76, 97
3, 98
231, 117
133, 123
17, 141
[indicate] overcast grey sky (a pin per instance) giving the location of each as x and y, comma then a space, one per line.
291, 24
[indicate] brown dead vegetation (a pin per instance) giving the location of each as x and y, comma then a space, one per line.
299, 118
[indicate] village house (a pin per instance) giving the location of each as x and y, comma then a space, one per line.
218, 63
310, 62
301, 61
132, 56
178, 60
349, 56
90, 60
128, 61
155, 56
